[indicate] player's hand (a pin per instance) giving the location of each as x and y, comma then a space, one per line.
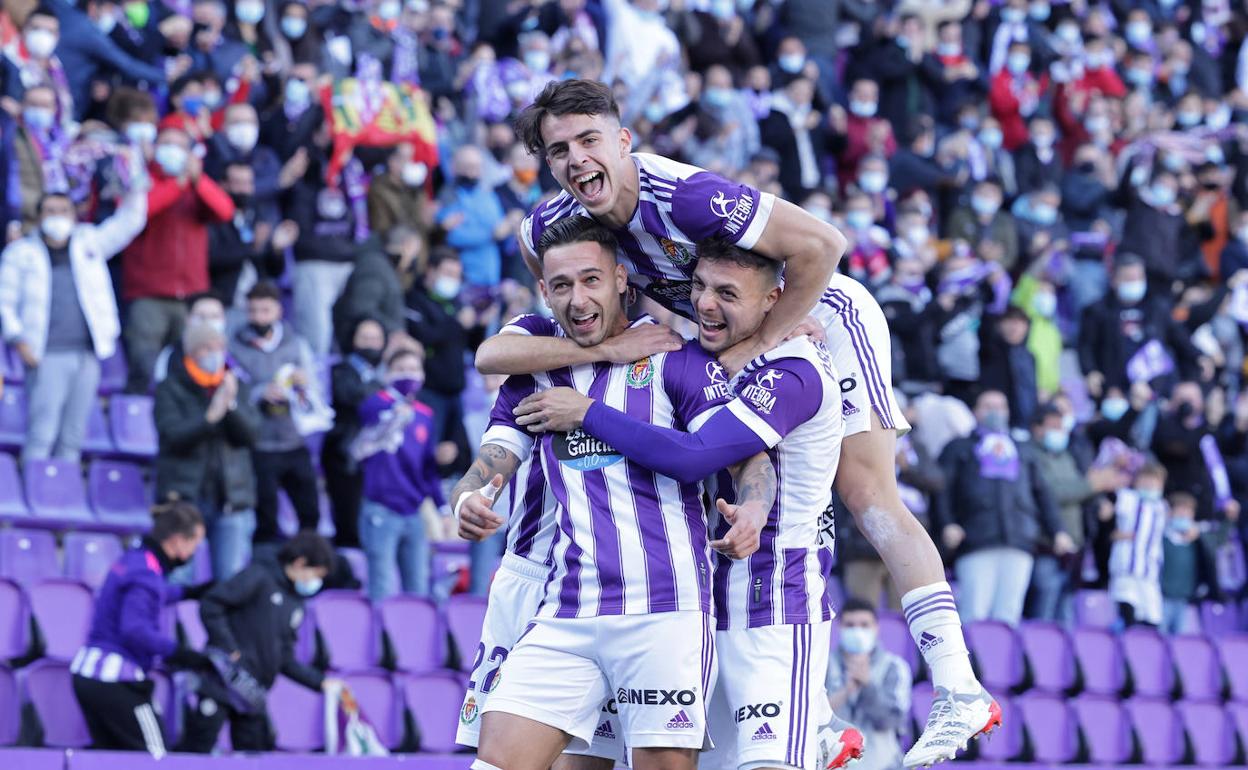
558, 410
742, 538
1095, 381
736, 357
810, 327
640, 341
1063, 544
477, 519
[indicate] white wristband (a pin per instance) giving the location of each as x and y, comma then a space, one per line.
484, 491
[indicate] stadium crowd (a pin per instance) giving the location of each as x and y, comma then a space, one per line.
1048, 199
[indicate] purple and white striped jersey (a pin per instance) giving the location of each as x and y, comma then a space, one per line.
679, 206
791, 398
1146, 520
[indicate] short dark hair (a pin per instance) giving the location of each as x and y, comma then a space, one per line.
42, 10
405, 352
1154, 469
309, 546
576, 230
854, 604
177, 517
1127, 259
1047, 410
440, 254
720, 250
265, 290
1015, 313
55, 193
192, 300
127, 102
1183, 499
559, 98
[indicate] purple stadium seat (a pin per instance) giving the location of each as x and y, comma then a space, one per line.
1199, 670
89, 556
10, 718
1094, 609
359, 564
12, 417
12, 501
1218, 619
12, 620
134, 431
1233, 650
1105, 729
997, 653
287, 521
411, 624
113, 374
97, 441
1148, 659
35, 759
297, 715
435, 700
1211, 731
28, 555
1100, 660
345, 622
1157, 728
118, 495
920, 705
55, 491
1051, 725
187, 613
62, 608
1238, 713
47, 685
464, 615
895, 636
1006, 742
836, 592
376, 695
1049, 652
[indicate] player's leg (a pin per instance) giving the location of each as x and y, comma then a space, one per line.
665, 759
582, 762
513, 742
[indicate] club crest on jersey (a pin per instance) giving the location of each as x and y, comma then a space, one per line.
582, 452
677, 253
468, 714
640, 373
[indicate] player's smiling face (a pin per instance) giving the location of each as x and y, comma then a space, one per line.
730, 301
584, 286
589, 157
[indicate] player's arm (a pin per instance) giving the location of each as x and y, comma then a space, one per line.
475, 493
530, 348
756, 483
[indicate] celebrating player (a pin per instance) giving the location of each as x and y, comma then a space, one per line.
658, 209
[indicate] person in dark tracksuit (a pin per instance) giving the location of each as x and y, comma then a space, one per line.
111, 671
255, 616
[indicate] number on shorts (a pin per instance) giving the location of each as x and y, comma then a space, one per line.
497, 656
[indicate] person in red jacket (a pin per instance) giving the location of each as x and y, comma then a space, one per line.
1015, 95
169, 260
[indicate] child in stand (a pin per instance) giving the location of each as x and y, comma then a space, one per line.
1180, 563
1135, 558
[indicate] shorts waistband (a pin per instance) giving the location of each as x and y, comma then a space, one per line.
525, 568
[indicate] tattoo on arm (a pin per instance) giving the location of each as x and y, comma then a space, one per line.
755, 480
492, 460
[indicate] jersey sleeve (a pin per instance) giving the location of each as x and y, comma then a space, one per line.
696, 384
503, 430
779, 397
532, 325
706, 205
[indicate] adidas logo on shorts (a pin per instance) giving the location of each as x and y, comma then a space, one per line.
927, 640
764, 733
604, 730
680, 722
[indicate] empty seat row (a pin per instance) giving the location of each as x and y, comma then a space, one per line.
128, 429
28, 556
61, 610
51, 493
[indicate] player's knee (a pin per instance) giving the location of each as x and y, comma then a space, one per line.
664, 759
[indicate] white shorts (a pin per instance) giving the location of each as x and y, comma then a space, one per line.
770, 700
862, 352
658, 667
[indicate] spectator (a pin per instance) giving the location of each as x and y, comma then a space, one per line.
992, 512
255, 618
247, 248
1038, 164
396, 456
984, 220
87, 52
398, 196
1156, 230
1135, 562
518, 195
238, 144
111, 671
908, 73
35, 63
207, 426
864, 132
375, 288
869, 686
1037, 297
1015, 95
39, 147
58, 312
796, 130
202, 308
904, 300
1191, 450
728, 134
279, 365
1007, 365
962, 83
169, 259
1234, 256
1180, 563
915, 166
955, 316
474, 221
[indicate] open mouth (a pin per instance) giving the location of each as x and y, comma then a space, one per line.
590, 184
584, 323
711, 328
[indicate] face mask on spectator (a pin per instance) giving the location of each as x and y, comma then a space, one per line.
242, 203
857, 640
518, 89
40, 42
969, 122
308, 587
995, 422
860, 219
1138, 33
294, 27
212, 99
1151, 495
243, 136
1056, 440
792, 63
38, 118
1017, 62
1180, 526
466, 182
1220, 118
371, 356
1044, 303
1013, 15
414, 174
1068, 422
990, 138
106, 23
212, 323
1131, 292
191, 105
1097, 124
171, 158
389, 10
1043, 214
249, 11
1043, 141
985, 206
1100, 59
211, 361
918, 235
526, 176
1189, 118
1161, 195
447, 287
261, 330
142, 134
873, 181
724, 9
1242, 234
297, 93
903, 42
1069, 34
863, 109
57, 228
537, 60
1039, 11
1114, 407
407, 386
949, 49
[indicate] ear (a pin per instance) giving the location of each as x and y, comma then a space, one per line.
626, 141
621, 279
541, 285
772, 297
